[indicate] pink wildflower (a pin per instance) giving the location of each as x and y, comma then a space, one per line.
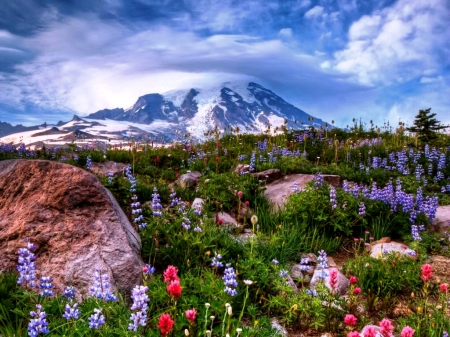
353, 334
350, 320
191, 315
407, 332
170, 274
386, 327
370, 331
333, 279
357, 291
353, 279
426, 272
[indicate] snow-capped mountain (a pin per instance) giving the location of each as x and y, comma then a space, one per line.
171, 116
251, 108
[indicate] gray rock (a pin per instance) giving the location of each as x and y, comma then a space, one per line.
189, 179
197, 202
333, 180
241, 168
268, 175
118, 169
298, 273
342, 285
441, 222
227, 219
380, 249
278, 191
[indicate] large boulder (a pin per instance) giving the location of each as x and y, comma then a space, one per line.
74, 221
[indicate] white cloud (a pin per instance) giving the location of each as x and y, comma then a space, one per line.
397, 43
314, 12
285, 32
426, 80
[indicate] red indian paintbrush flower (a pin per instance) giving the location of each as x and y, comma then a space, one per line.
174, 288
350, 320
170, 274
165, 324
333, 279
386, 327
407, 332
426, 272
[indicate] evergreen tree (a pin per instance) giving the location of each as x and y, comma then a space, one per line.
426, 126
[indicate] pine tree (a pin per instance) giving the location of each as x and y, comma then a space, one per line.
426, 126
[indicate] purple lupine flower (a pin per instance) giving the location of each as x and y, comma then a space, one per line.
198, 229
38, 324
252, 162
295, 188
333, 200
88, 163
140, 300
323, 260
69, 293
71, 312
26, 266
312, 292
96, 320
110, 177
283, 273
361, 209
318, 180
216, 261
46, 286
415, 233
304, 264
156, 203
186, 223
229, 280
275, 261
148, 270
101, 287
323, 264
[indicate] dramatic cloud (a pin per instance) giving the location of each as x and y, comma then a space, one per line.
398, 43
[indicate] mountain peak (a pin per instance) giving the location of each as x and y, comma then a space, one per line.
249, 106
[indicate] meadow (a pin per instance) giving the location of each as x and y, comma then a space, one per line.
204, 278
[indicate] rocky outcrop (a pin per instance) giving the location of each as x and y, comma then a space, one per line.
75, 222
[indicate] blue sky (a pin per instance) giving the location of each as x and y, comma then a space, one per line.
376, 60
